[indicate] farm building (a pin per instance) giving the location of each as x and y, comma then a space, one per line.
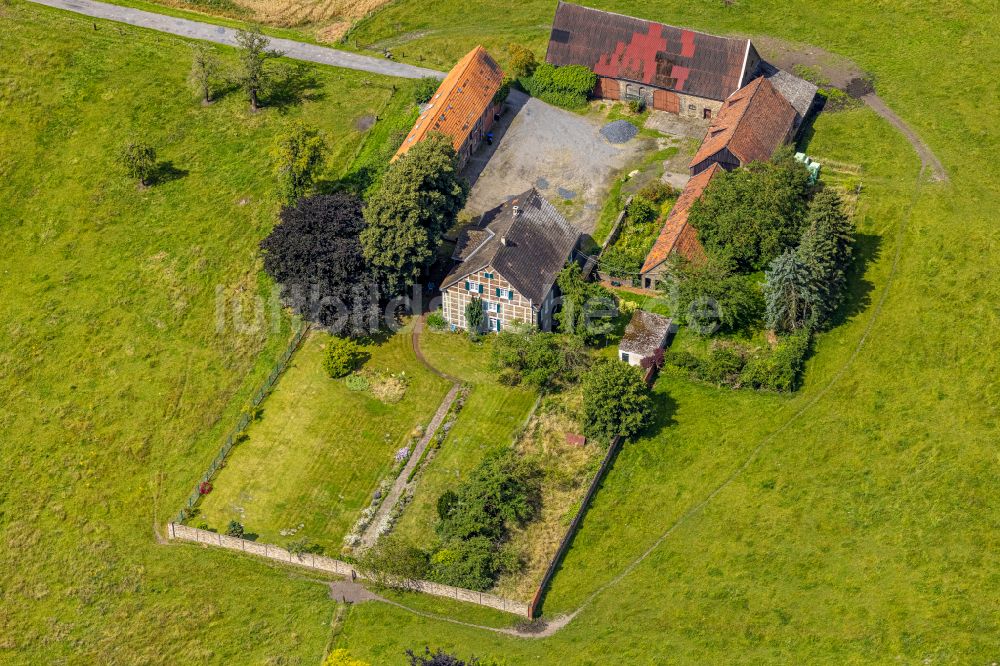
510, 260
463, 107
645, 333
677, 235
752, 123
670, 69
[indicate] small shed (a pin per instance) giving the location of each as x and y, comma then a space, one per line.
646, 333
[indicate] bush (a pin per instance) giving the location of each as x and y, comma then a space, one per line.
642, 210
235, 529
392, 557
574, 79
778, 369
341, 657
138, 160
616, 400
536, 358
436, 321
656, 191
684, 360
520, 61
357, 382
636, 106
722, 366
567, 87
341, 357
711, 297
425, 89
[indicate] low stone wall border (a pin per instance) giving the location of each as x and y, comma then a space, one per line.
180, 532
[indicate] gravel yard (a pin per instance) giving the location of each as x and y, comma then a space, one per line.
561, 153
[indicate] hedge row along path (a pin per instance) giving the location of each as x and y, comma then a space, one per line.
222, 35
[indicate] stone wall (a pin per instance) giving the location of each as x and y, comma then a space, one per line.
181, 532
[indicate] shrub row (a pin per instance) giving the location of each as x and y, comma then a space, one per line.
740, 366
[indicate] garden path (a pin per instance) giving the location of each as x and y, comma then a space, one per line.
381, 520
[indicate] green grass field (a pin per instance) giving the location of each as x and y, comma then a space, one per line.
854, 522
488, 422
318, 451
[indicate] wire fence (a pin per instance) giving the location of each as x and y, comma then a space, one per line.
246, 416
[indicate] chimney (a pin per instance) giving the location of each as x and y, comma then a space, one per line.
517, 211
503, 239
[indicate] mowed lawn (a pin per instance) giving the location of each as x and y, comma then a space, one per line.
488, 422
318, 451
117, 381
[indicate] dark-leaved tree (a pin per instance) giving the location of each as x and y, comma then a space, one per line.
417, 200
315, 254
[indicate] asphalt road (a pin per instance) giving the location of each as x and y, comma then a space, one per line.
220, 35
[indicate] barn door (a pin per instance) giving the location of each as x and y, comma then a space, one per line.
607, 88
664, 100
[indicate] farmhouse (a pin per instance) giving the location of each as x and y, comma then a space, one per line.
464, 106
752, 123
645, 333
677, 235
510, 260
670, 69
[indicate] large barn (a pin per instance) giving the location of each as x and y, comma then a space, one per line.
670, 69
463, 107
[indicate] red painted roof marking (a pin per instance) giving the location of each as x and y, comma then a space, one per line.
680, 73
687, 43
637, 59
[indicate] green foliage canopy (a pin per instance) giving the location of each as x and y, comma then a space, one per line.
416, 201
297, 156
616, 400
341, 357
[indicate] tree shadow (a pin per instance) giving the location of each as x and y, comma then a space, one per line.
251, 536
858, 290
664, 408
165, 172
294, 83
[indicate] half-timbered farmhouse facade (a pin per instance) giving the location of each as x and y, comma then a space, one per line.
510, 260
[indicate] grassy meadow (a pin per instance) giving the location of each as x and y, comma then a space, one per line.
852, 522
318, 450
116, 382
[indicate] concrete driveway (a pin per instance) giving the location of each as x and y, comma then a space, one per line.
561, 153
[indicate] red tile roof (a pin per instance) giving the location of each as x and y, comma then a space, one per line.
754, 121
677, 235
623, 47
460, 100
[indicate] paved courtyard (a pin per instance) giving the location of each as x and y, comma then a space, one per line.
561, 153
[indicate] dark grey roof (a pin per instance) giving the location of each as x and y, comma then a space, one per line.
644, 333
528, 250
799, 92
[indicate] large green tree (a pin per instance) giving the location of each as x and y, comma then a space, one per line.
616, 400
417, 200
751, 215
297, 156
825, 250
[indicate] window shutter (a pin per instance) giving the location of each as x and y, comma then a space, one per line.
480, 289
498, 292
467, 285
510, 294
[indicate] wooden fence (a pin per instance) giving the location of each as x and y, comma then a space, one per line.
330, 565
550, 571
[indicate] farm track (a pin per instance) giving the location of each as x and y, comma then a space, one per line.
222, 35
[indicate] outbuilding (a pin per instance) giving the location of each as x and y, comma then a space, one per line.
646, 333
